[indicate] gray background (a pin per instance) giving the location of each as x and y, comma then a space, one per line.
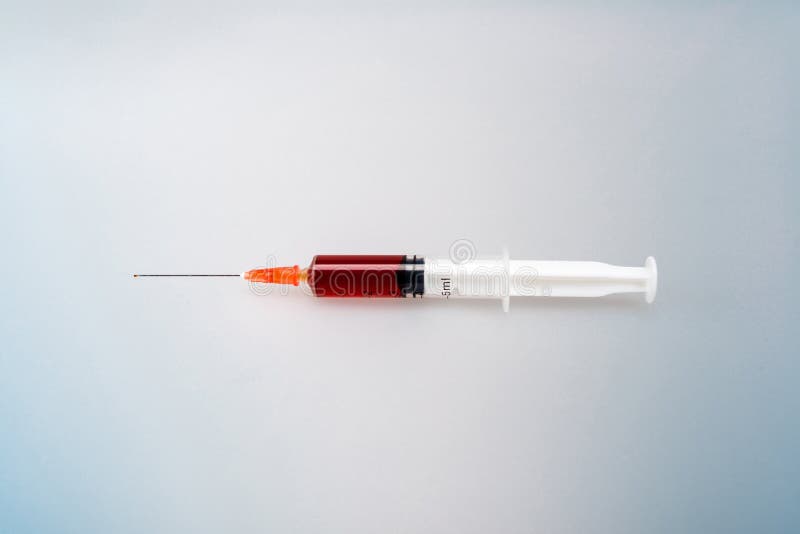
143, 137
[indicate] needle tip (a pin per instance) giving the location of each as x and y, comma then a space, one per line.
136, 276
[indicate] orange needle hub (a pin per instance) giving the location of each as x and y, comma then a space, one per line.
276, 275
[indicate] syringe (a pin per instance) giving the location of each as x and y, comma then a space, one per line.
404, 276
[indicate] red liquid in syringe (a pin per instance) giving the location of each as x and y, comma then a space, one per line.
377, 276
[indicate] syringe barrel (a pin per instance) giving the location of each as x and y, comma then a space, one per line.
403, 276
